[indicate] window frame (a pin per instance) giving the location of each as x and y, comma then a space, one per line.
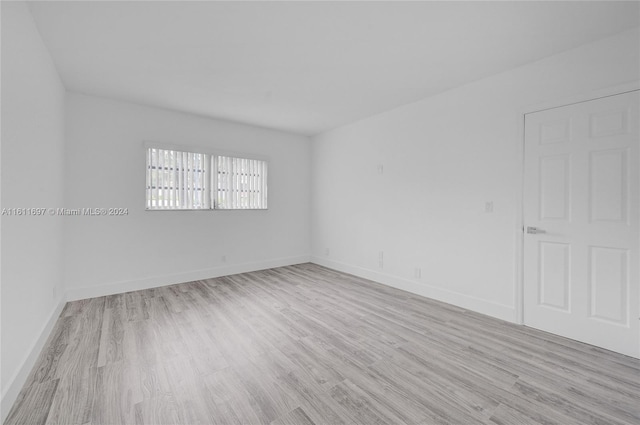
211, 160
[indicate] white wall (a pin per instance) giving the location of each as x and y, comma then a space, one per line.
32, 176
442, 158
106, 168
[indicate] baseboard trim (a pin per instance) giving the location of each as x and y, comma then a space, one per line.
74, 294
490, 308
19, 378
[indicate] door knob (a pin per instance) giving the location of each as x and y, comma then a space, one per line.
534, 230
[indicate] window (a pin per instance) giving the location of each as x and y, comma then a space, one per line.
176, 180
241, 183
180, 180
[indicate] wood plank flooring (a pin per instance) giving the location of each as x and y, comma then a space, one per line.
305, 345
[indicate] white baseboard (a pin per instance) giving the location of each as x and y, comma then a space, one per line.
73, 294
17, 381
490, 308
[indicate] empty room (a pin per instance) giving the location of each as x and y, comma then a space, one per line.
320, 212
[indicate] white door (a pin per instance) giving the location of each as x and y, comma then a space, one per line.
582, 222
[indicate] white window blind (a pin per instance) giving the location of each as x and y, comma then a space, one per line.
178, 180
242, 183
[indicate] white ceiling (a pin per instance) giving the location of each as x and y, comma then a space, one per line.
305, 67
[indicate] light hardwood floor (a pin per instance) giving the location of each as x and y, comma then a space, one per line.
306, 345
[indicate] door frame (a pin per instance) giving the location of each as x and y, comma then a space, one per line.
520, 151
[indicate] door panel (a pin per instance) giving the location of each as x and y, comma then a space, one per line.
609, 284
582, 265
554, 275
554, 186
609, 188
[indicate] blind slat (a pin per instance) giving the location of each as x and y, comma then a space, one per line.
190, 180
174, 180
149, 182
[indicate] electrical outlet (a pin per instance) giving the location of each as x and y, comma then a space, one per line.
488, 206
417, 273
